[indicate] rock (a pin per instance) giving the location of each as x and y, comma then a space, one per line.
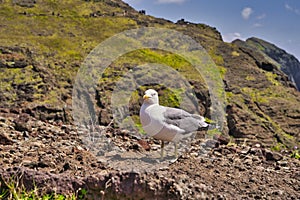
25, 3
37, 144
194, 154
282, 163
222, 139
245, 150
272, 156
218, 154
4, 139
256, 151
178, 189
2, 119
209, 144
278, 192
248, 162
144, 145
22, 123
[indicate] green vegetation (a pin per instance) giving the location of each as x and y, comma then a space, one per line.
278, 147
250, 78
267, 94
272, 78
143, 56
295, 154
235, 53
12, 190
213, 132
59, 34
11, 77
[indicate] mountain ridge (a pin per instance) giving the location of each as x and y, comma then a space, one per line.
289, 64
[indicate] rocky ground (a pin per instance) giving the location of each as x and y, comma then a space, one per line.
54, 157
41, 148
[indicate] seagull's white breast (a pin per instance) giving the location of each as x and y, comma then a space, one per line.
152, 118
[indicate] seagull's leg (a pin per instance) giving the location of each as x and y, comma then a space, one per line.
162, 149
176, 153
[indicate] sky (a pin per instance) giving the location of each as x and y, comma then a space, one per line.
276, 21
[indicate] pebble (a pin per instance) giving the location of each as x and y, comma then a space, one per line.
272, 156
256, 159
248, 161
194, 154
278, 192
178, 188
282, 163
155, 147
245, 150
37, 144
218, 154
4, 125
257, 145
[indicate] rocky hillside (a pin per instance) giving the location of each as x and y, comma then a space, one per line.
42, 46
286, 62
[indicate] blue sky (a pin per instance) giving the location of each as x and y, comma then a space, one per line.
276, 21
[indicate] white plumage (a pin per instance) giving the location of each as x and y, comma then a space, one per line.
165, 123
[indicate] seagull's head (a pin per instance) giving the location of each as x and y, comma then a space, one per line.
151, 97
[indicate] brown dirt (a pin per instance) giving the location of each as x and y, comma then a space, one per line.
54, 158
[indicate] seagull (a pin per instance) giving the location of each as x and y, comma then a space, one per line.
166, 123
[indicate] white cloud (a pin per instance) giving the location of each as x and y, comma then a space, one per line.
257, 25
246, 12
232, 36
262, 16
291, 9
288, 7
170, 1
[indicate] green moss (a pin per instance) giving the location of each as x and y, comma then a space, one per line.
288, 136
264, 96
137, 123
278, 147
222, 71
235, 54
11, 78
213, 132
272, 78
256, 94
172, 100
250, 78
52, 98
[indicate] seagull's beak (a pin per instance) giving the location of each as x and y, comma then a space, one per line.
145, 97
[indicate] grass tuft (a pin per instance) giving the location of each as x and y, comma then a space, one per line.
14, 190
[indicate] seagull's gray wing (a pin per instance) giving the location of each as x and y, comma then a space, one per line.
184, 120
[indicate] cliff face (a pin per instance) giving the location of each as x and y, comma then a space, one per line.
288, 63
